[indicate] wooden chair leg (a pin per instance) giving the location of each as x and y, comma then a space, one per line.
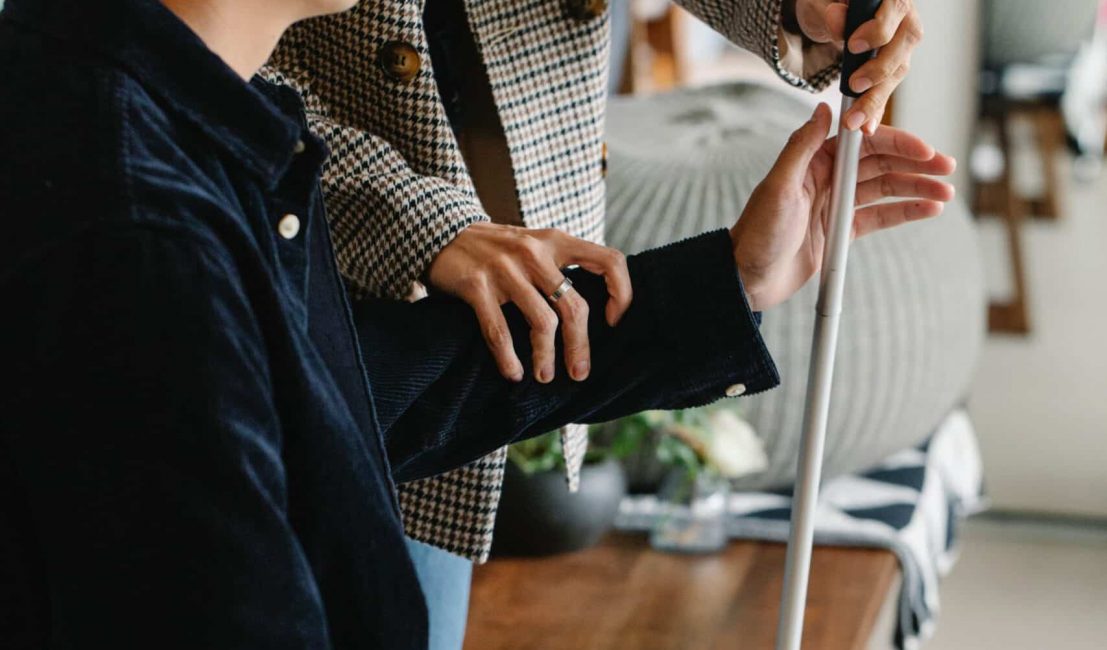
1011, 317
1049, 129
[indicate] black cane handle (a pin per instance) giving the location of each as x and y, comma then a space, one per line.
858, 13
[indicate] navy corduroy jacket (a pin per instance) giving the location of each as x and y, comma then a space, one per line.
199, 434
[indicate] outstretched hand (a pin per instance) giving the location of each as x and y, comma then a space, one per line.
779, 240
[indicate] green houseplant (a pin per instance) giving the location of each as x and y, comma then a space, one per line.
678, 451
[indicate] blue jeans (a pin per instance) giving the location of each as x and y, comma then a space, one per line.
445, 580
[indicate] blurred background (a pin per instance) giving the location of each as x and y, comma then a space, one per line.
967, 436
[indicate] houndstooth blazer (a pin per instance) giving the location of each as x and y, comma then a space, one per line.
397, 189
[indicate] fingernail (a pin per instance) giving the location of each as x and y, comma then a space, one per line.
855, 120
580, 370
544, 375
870, 127
859, 45
861, 84
815, 114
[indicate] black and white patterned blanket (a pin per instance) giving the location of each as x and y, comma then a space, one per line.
911, 504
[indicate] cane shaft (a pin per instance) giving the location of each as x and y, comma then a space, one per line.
824, 345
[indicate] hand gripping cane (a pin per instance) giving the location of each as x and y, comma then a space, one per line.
821, 373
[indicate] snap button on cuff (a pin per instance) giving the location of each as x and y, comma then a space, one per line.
735, 390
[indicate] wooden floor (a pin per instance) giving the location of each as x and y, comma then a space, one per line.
622, 595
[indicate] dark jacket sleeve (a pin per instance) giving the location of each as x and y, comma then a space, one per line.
688, 336
143, 432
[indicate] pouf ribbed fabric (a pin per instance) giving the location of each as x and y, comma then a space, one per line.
685, 162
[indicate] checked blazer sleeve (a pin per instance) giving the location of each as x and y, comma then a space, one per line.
388, 222
393, 202
755, 25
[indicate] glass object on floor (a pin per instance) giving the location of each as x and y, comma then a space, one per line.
693, 513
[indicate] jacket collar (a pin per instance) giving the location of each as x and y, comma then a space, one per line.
173, 64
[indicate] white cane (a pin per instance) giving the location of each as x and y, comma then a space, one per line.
825, 342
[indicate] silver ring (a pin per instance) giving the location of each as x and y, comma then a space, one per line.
562, 289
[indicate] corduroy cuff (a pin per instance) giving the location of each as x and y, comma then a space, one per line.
700, 313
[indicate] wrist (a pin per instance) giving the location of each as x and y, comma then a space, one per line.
749, 287
748, 276
444, 265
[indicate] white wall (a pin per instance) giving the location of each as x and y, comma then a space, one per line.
938, 100
1040, 402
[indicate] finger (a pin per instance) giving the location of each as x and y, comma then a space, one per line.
534, 283
601, 260
879, 31
811, 16
805, 142
873, 103
872, 125
573, 310
868, 110
574, 330
892, 61
876, 165
913, 186
887, 215
493, 327
543, 327
888, 140
836, 21
897, 142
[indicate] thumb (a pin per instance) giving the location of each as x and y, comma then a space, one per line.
835, 17
813, 18
791, 165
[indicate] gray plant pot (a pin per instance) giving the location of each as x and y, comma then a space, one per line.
539, 516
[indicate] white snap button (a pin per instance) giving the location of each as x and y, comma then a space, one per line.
735, 390
289, 226
299, 147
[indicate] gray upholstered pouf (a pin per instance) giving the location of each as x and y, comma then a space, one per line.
683, 163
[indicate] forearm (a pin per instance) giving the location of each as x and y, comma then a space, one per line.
688, 337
